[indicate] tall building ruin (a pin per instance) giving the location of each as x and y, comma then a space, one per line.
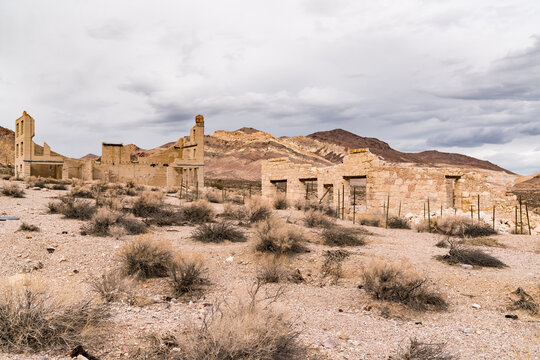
180, 164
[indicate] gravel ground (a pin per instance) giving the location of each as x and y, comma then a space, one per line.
338, 321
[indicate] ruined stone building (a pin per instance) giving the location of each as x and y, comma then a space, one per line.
366, 180
180, 164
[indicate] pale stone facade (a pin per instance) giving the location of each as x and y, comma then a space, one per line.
371, 180
180, 164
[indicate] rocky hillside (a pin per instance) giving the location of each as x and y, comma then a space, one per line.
237, 155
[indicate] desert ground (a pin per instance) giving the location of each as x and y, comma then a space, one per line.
335, 319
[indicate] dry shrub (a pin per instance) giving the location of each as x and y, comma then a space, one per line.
255, 330
371, 220
35, 319
148, 204
341, 236
218, 232
166, 217
525, 302
82, 192
485, 241
276, 236
234, 212
271, 270
13, 190
111, 286
423, 351
397, 282
395, 222
131, 225
146, 257
333, 264
257, 209
58, 187
73, 208
458, 254
187, 274
316, 218
101, 222
460, 226
280, 202
28, 227
198, 212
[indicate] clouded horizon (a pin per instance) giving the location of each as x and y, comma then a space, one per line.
455, 76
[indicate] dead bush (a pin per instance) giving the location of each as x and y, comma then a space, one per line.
460, 226
316, 218
111, 286
198, 212
58, 187
371, 220
276, 236
280, 202
13, 190
214, 195
423, 351
73, 208
148, 204
131, 225
35, 319
333, 264
218, 232
28, 227
271, 270
525, 302
398, 283
458, 254
101, 222
245, 331
395, 222
82, 192
341, 236
234, 212
187, 274
167, 216
146, 257
257, 210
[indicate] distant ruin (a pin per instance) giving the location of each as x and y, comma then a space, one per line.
179, 164
365, 181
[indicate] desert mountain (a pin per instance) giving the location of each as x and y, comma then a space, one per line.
237, 155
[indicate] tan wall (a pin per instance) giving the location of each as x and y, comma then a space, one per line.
406, 183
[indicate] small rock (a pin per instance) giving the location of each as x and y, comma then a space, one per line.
476, 306
36, 188
75, 271
466, 266
81, 357
45, 357
50, 249
418, 323
511, 316
28, 236
360, 286
354, 342
230, 259
64, 232
329, 344
468, 331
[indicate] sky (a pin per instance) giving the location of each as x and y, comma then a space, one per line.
457, 76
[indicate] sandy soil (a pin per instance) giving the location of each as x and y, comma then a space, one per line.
338, 321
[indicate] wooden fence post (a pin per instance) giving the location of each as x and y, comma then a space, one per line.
520, 216
428, 216
387, 210
528, 222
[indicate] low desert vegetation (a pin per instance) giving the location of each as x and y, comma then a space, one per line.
525, 302
28, 227
251, 330
333, 264
146, 257
111, 286
371, 220
148, 204
104, 220
276, 236
198, 212
342, 236
271, 269
214, 195
395, 222
13, 190
35, 319
73, 208
257, 209
218, 232
423, 351
234, 212
84, 192
280, 202
459, 254
460, 226
187, 274
318, 219
398, 282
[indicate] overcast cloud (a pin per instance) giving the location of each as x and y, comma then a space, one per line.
459, 76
